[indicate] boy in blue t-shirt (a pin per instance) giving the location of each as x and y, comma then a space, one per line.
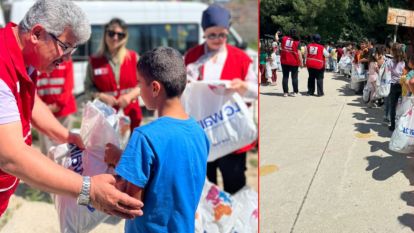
164, 163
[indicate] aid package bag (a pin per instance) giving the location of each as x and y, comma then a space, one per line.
402, 139
222, 114
100, 125
220, 212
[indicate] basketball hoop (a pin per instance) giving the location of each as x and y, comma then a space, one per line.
400, 20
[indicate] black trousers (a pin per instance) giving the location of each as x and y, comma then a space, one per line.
317, 75
232, 168
395, 93
286, 69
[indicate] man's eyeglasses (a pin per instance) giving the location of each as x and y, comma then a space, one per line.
121, 35
213, 36
65, 48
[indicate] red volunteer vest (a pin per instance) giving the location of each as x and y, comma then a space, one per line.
14, 74
289, 54
236, 66
57, 87
104, 79
314, 57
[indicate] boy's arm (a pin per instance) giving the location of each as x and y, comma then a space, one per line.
112, 156
135, 191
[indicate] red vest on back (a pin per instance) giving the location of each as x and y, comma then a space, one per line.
14, 74
104, 80
289, 54
315, 58
57, 87
236, 66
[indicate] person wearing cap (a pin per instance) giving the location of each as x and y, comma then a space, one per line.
217, 60
47, 35
315, 62
291, 59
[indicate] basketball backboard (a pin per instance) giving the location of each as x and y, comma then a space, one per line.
400, 17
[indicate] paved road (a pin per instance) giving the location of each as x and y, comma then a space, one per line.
326, 167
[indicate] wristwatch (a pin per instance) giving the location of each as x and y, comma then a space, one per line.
84, 197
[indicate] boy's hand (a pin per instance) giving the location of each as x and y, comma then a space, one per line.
112, 154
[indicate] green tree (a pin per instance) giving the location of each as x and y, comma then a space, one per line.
333, 19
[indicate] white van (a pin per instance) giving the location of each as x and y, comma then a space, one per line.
150, 24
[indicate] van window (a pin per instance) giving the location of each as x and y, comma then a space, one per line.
142, 38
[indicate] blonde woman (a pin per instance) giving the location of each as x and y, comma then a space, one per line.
112, 72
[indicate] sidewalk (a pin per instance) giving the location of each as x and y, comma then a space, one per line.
325, 164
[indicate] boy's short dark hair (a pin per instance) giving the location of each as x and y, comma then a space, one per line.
165, 65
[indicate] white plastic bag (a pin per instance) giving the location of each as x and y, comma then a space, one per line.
358, 73
404, 104
222, 114
99, 126
248, 219
383, 82
366, 93
220, 212
402, 139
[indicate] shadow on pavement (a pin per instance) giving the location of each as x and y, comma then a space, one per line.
384, 167
271, 94
407, 220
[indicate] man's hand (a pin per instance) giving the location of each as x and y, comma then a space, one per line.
112, 154
106, 198
76, 139
238, 86
108, 99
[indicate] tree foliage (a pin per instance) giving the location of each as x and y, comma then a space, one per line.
334, 20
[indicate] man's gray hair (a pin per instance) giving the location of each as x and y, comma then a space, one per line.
55, 16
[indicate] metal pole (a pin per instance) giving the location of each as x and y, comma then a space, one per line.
395, 33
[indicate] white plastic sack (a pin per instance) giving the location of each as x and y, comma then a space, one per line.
220, 212
222, 114
366, 93
402, 139
404, 104
268, 70
358, 73
99, 126
383, 82
279, 65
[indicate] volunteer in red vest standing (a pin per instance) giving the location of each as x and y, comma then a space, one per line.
112, 72
216, 60
315, 62
48, 34
55, 89
291, 59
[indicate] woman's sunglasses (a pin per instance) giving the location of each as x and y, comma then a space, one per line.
121, 35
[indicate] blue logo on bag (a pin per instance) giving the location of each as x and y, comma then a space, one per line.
76, 159
227, 111
408, 131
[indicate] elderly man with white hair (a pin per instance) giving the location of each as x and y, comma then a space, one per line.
47, 36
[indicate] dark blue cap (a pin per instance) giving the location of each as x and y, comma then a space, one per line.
317, 38
215, 16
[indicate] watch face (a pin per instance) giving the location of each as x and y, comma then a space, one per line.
83, 200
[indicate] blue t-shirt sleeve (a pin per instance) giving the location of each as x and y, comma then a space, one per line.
136, 161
